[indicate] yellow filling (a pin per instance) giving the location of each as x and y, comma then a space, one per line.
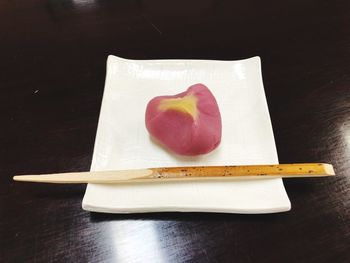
187, 104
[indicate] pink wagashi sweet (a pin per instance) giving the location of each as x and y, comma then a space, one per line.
188, 123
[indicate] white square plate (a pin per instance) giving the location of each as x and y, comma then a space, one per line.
122, 141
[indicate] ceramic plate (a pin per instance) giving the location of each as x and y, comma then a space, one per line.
122, 141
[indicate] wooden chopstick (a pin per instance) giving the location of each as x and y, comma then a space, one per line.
185, 173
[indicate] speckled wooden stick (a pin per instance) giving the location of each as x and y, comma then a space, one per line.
186, 173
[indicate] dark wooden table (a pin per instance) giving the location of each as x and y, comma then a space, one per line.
52, 69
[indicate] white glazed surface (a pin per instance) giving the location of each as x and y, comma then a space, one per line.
122, 141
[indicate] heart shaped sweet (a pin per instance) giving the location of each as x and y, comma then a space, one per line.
188, 123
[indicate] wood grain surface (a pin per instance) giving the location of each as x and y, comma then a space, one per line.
52, 68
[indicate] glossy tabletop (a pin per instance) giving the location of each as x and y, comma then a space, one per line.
52, 68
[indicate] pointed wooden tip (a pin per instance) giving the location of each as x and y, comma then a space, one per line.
17, 178
25, 178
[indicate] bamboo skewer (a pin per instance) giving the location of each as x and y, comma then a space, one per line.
185, 173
